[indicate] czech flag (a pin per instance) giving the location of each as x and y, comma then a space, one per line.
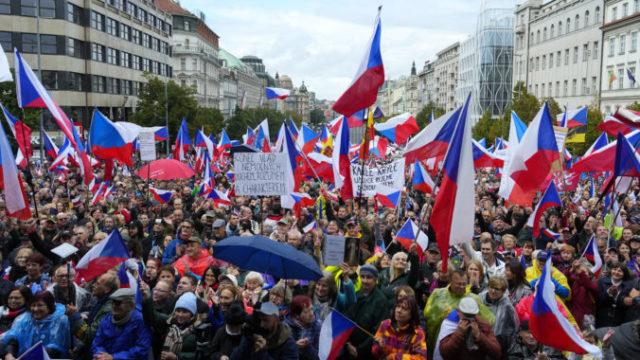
627, 162
50, 147
219, 198
110, 140
613, 126
531, 161
388, 198
302, 199
549, 326
14, 196
334, 333
433, 140
161, 133
163, 196
225, 142
410, 232
36, 352
602, 159
573, 118
342, 163
551, 234
398, 128
550, 198
378, 147
322, 166
593, 255
363, 90
293, 172
517, 128
262, 136
421, 179
629, 117
182, 142
249, 138
21, 132
483, 158
600, 142
310, 227
103, 256
203, 140
352, 121
277, 93
453, 212
308, 140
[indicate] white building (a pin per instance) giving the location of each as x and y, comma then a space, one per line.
426, 84
446, 77
620, 57
558, 48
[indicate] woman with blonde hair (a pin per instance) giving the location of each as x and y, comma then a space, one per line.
403, 271
475, 273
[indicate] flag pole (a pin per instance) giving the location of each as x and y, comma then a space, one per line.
354, 323
29, 175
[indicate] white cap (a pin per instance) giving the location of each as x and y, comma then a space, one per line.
468, 306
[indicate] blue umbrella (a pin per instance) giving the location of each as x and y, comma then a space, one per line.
261, 254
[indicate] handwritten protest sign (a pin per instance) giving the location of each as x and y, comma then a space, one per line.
384, 176
262, 174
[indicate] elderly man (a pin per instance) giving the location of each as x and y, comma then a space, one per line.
74, 295
122, 334
272, 339
163, 297
195, 259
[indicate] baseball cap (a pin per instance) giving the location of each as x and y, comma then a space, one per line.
229, 277
433, 247
219, 223
269, 308
469, 306
210, 213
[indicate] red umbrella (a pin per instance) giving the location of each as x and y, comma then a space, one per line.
166, 169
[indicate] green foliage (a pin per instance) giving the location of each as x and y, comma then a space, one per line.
423, 117
236, 126
488, 127
9, 99
524, 104
635, 106
317, 118
554, 108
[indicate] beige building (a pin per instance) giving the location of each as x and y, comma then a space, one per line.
446, 77
93, 52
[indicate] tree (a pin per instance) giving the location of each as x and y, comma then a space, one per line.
554, 109
236, 126
9, 99
423, 117
524, 104
635, 106
488, 127
316, 118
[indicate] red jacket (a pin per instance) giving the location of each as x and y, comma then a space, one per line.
584, 293
453, 346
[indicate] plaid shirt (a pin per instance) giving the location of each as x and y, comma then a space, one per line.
401, 343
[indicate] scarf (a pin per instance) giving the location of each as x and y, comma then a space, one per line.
122, 321
11, 315
175, 337
322, 306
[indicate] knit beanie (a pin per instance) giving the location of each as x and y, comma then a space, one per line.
187, 301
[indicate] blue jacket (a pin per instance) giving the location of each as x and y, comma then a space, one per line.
169, 254
53, 331
130, 342
311, 332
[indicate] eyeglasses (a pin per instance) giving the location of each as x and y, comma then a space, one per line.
161, 290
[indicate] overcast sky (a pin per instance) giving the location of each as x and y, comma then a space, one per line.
322, 42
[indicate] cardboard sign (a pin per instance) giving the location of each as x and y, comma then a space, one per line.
373, 179
262, 174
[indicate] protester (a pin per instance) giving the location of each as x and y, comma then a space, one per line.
401, 335
305, 327
17, 304
496, 300
229, 336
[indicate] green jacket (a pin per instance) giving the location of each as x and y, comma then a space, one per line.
161, 322
368, 312
86, 332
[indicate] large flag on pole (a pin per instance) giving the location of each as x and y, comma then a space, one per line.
342, 163
452, 216
5, 72
14, 196
363, 90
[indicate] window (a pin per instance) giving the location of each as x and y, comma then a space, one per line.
557, 88
634, 41
97, 83
126, 87
565, 88
183, 83
566, 56
50, 80
97, 52
112, 27
48, 9
154, 67
625, 9
97, 21
183, 64
5, 7
113, 86
575, 55
28, 7
531, 41
632, 72
577, 24
595, 50
194, 83
538, 36
585, 52
568, 26
29, 43
531, 65
125, 31
537, 63
597, 14
614, 14
585, 89
124, 59
620, 78
145, 40
131, 9
544, 61
558, 58
187, 26
612, 46
542, 92
594, 83
559, 28
112, 56
5, 40
75, 82
550, 60
155, 44
135, 36
574, 85
145, 64
194, 63
636, 6
74, 14
135, 62
552, 31
623, 43
586, 18
544, 34
74, 48
142, 15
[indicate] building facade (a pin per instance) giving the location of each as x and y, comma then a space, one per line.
240, 81
93, 53
446, 76
426, 88
558, 49
195, 53
620, 59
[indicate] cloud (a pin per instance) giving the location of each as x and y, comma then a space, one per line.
322, 42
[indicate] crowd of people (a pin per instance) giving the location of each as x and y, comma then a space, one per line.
187, 304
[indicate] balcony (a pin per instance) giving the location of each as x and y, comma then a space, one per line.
194, 50
520, 29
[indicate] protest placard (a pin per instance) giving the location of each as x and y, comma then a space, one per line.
147, 142
262, 174
384, 176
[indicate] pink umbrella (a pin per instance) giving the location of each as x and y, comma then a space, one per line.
166, 169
